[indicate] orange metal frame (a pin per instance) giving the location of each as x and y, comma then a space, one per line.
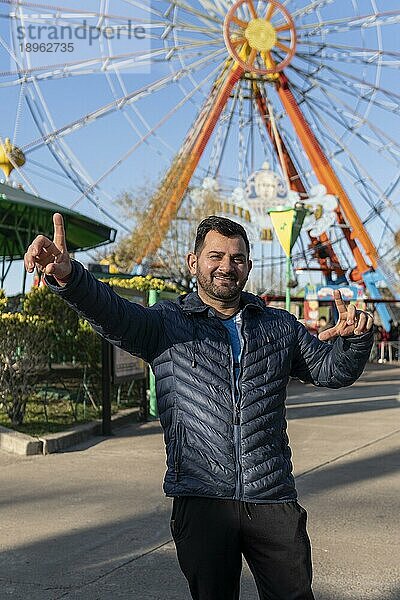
328, 177
297, 185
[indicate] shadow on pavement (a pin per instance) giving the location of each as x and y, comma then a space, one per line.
124, 431
351, 472
339, 408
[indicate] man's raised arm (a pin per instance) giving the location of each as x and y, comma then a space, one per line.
130, 326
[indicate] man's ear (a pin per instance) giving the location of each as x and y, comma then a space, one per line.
250, 262
191, 261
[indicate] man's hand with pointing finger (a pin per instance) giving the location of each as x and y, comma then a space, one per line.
50, 257
351, 321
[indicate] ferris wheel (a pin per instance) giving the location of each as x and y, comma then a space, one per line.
198, 90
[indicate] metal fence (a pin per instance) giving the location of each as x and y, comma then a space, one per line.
386, 352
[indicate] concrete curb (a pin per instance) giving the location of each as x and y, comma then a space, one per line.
26, 445
19, 443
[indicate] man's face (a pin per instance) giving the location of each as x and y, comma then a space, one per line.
222, 267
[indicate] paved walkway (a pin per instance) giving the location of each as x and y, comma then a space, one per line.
92, 523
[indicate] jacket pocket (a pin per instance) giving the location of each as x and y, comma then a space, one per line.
179, 441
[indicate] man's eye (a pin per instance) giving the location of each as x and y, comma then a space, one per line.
239, 260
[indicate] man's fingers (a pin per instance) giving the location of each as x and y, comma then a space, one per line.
340, 305
351, 314
40, 253
361, 323
328, 334
365, 322
53, 269
354, 323
59, 232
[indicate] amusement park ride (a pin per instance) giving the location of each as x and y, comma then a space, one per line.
260, 43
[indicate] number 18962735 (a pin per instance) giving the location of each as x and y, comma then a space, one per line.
47, 47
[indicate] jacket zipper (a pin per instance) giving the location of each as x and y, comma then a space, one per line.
236, 418
236, 426
239, 486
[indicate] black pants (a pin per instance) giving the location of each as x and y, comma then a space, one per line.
212, 535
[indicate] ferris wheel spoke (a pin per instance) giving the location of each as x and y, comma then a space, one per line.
137, 114
202, 15
351, 120
63, 155
349, 23
116, 104
205, 29
228, 122
384, 144
59, 11
71, 170
366, 187
165, 118
146, 7
313, 6
347, 54
347, 48
205, 17
252, 9
11, 53
352, 58
364, 175
119, 62
376, 203
216, 8
351, 84
361, 118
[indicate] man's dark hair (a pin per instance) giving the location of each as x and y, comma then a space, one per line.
223, 226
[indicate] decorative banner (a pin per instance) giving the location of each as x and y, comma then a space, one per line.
282, 220
287, 224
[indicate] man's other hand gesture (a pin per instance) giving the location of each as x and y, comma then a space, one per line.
50, 257
351, 321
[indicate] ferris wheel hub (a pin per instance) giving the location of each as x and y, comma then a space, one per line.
260, 35
261, 40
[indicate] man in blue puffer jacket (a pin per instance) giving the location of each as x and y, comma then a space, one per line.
222, 361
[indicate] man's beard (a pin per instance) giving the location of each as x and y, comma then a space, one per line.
228, 289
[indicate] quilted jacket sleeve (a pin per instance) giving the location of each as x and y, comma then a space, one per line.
128, 325
333, 365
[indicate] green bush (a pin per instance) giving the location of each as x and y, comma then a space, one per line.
143, 284
25, 345
87, 346
74, 339
3, 301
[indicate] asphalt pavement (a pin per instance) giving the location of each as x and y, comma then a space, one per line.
92, 523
